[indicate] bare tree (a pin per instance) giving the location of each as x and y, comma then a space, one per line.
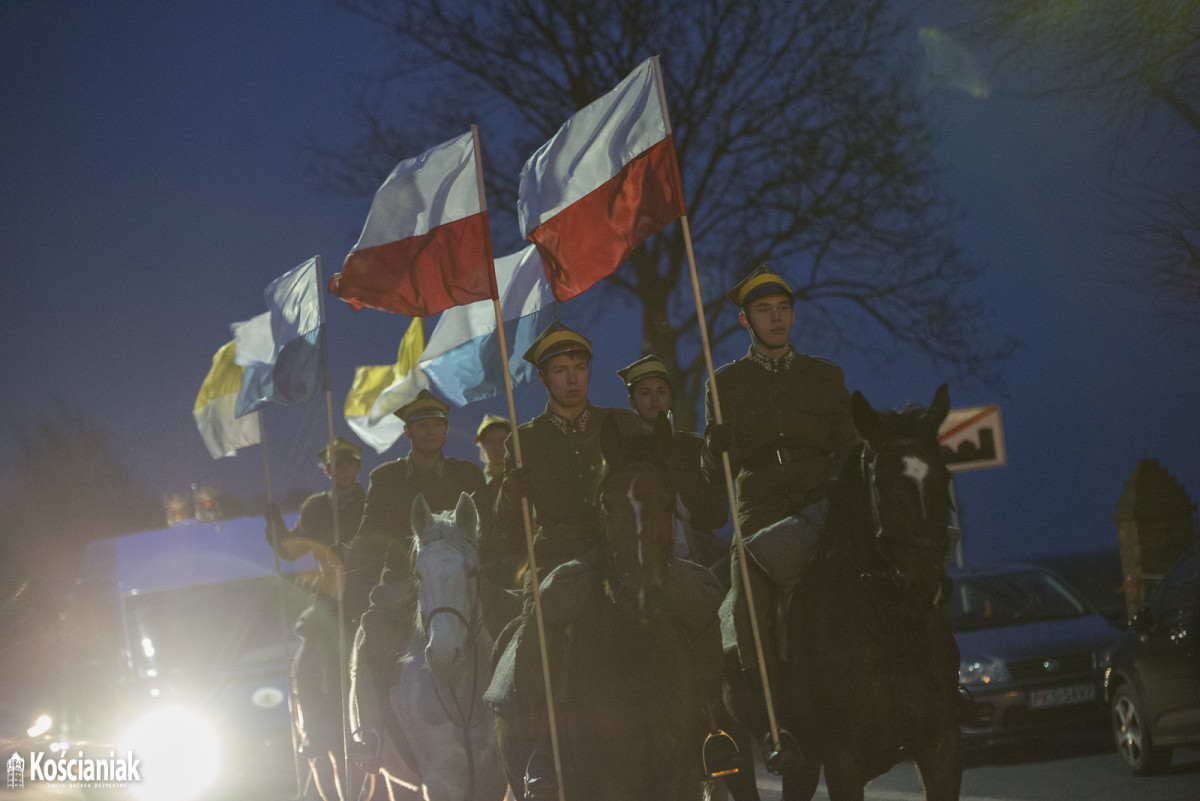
1137, 65
800, 135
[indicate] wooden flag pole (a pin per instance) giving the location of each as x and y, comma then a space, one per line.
728, 470
525, 513
336, 566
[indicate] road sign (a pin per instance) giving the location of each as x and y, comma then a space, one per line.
972, 438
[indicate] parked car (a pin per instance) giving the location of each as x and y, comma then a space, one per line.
1152, 683
1030, 649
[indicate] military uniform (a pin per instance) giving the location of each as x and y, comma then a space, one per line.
703, 507
791, 425
564, 464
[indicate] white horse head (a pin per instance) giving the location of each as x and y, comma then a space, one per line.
446, 565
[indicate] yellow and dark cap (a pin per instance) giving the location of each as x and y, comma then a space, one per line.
644, 368
426, 404
556, 339
490, 420
761, 281
340, 446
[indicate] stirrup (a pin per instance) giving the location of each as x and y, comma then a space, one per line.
364, 750
541, 783
720, 755
784, 757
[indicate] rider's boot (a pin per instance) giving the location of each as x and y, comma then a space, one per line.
783, 756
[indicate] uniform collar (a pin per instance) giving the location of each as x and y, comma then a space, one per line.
565, 426
772, 365
438, 466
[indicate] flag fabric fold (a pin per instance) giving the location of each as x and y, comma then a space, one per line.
604, 183
371, 381
424, 247
283, 349
222, 431
463, 361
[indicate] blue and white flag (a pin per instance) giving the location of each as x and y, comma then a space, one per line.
461, 363
283, 349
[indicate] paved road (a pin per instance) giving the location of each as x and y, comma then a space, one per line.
1075, 768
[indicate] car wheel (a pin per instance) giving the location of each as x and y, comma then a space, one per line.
1131, 732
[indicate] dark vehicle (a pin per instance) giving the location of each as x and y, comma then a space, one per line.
180, 655
1031, 648
1153, 681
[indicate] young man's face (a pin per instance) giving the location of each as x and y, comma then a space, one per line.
491, 445
566, 377
650, 397
428, 434
344, 469
769, 320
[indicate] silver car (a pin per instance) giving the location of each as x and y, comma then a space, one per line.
1031, 649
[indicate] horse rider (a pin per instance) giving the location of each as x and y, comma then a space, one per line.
562, 466
503, 554
378, 560
786, 427
316, 667
702, 509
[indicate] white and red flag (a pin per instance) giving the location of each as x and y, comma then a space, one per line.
425, 245
603, 184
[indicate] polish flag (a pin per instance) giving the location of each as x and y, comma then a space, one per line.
425, 245
603, 184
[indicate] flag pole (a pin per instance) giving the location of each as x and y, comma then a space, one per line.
336, 566
739, 543
525, 514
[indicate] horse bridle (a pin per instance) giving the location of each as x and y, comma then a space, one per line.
868, 460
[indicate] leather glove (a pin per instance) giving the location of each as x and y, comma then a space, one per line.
720, 438
517, 483
276, 528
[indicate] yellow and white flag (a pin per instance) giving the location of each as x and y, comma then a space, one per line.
399, 380
221, 431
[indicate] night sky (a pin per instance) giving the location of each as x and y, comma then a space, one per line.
153, 164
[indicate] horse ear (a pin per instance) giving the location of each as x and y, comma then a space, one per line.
939, 408
422, 518
866, 419
663, 437
466, 515
611, 444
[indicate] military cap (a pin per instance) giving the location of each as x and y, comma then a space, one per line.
426, 404
490, 420
644, 368
761, 281
340, 445
556, 339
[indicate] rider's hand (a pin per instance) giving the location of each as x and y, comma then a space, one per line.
517, 483
720, 438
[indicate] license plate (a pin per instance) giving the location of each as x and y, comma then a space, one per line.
1061, 696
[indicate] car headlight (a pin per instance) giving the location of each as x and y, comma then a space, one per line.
178, 754
982, 671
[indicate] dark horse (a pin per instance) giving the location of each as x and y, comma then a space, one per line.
868, 673
635, 646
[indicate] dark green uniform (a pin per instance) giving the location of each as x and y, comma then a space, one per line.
316, 667
565, 465
792, 427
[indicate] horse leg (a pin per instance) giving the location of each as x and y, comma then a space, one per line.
940, 765
800, 784
843, 779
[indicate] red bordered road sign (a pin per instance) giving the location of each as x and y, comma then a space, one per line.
972, 438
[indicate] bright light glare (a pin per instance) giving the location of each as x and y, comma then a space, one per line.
39, 727
177, 752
